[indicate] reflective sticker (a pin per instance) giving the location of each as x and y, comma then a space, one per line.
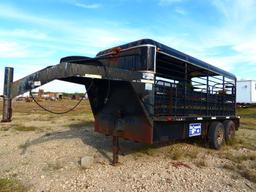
194, 129
148, 76
148, 86
37, 83
93, 76
146, 81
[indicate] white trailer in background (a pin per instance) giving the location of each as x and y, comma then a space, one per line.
246, 91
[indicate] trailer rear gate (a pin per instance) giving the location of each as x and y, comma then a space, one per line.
147, 92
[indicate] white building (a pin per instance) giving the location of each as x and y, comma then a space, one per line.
246, 91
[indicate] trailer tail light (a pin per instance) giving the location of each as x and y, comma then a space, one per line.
169, 118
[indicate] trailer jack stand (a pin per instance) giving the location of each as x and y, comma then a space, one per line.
115, 150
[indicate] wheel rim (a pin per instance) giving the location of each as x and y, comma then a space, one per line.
220, 136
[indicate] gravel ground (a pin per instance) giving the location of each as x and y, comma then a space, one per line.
49, 161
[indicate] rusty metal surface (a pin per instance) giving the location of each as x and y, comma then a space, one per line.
7, 104
135, 59
7, 110
115, 149
123, 114
65, 70
118, 108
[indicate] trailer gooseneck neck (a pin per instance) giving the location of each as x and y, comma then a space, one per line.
144, 91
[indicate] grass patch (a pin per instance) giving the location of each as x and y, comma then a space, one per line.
244, 170
200, 163
193, 152
247, 112
170, 150
4, 128
230, 166
245, 139
24, 128
47, 117
80, 125
175, 153
235, 142
244, 163
247, 127
148, 149
239, 157
247, 172
182, 151
248, 123
11, 185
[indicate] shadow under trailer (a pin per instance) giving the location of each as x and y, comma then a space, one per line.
145, 92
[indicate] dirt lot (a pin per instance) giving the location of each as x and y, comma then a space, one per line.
41, 152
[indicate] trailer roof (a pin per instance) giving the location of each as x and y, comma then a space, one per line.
173, 53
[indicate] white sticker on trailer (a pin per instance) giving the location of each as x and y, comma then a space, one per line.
195, 129
37, 83
148, 86
93, 76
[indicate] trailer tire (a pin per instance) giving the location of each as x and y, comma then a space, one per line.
230, 128
216, 135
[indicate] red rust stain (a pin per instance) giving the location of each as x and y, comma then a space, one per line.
116, 50
180, 164
142, 132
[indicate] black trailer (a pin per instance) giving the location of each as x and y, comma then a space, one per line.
146, 92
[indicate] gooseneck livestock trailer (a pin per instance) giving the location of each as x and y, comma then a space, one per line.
146, 92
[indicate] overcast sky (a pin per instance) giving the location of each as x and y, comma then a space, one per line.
35, 34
